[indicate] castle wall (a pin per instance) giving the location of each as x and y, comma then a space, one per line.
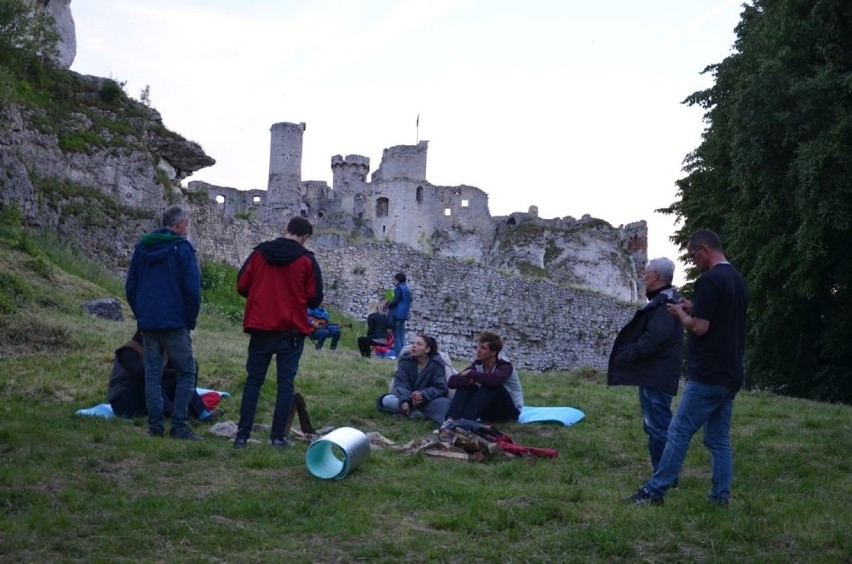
232, 201
546, 327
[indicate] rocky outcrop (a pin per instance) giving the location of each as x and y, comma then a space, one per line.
587, 253
98, 173
185, 157
60, 11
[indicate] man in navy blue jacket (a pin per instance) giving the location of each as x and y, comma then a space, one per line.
648, 352
163, 289
398, 310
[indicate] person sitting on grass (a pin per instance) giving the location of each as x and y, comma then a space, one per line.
419, 387
489, 389
126, 390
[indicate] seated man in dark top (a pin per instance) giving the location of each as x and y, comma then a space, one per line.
127, 385
489, 389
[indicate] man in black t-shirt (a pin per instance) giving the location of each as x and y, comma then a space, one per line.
716, 322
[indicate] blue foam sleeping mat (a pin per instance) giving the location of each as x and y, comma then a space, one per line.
565, 415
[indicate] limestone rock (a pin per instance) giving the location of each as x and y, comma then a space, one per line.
105, 308
60, 10
185, 156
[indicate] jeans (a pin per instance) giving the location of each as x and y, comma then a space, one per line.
177, 344
712, 407
398, 335
320, 335
656, 416
287, 348
435, 410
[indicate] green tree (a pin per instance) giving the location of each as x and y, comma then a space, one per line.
15, 22
773, 176
27, 34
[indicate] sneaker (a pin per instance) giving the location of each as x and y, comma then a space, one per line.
642, 497
240, 443
717, 502
281, 443
185, 435
155, 432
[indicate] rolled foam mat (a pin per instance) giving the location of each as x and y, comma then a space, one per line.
334, 455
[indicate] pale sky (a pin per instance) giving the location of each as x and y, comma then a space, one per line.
574, 107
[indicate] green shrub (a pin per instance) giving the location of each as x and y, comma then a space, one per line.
111, 91
14, 292
219, 291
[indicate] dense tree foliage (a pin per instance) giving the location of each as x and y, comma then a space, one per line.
773, 176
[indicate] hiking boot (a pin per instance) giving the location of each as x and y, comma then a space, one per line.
240, 443
185, 435
642, 497
281, 443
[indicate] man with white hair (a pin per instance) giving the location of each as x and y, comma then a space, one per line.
648, 352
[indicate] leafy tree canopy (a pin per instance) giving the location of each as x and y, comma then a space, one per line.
26, 33
773, 176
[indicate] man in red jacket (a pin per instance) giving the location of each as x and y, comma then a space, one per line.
281, 280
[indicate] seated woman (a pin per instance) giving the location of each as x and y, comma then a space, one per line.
126, 391
489, 389
377, 329
419, 386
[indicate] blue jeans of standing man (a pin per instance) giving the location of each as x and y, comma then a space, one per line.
656, 416
712, 407
177, 344
287, 348
398, 335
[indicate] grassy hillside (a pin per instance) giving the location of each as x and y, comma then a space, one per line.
75, 488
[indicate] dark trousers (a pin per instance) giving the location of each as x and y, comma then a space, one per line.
483, 402
131, 403
287, 348
366, 343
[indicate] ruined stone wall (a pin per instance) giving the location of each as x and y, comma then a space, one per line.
546, 327
403, 161
233, 201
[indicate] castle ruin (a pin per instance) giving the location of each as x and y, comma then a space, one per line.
398, 204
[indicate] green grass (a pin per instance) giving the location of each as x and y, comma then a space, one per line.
80, 488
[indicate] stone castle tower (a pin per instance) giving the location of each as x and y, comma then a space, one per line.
283, 194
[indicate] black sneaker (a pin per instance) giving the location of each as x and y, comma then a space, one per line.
240, 443
716, 502
155, 432
185, 435
642, 497
281, 443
